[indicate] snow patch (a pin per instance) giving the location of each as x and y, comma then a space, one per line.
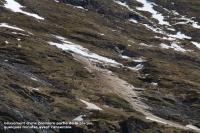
154, 84
193, 127
133, 20
138, 60
180, 35
17, 33
174, 46
137, 68
5, 25
148, 6
36, 89
90, 106
189, 21
101, 34
34, 79
79, 50
79, 118
83, 52
145, 45
80, 7
125, 57
124, 4
6, 42
156, 30
196, 44
16, 7
166, 38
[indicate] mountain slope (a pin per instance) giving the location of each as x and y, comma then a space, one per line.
125, 66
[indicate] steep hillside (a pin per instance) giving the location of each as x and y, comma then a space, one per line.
105, 66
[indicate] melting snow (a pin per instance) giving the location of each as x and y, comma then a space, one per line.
196, 44
101, 34
80, 7
36, 89
156, 30
125, 57
79, 118
77, 49
138, 60
188, 21
193, 127
169, 37
172, 29
145, 45
166, 38
35, 79
148, 6
16, 33
173, 46
5, 25
180, 35
154, 84
137, 68
16, 7
123, 4
133, 20
90, 106
175, 12
6, 42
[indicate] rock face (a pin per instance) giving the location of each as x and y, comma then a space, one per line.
122, 66
130, 126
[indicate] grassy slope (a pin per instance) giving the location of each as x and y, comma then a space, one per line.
67, 78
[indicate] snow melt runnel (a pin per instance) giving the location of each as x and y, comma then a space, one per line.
148, 6
91, 106
124, 4
16, 7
